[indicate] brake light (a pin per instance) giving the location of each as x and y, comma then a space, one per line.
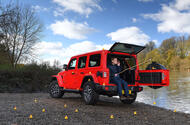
104, 74
163, 76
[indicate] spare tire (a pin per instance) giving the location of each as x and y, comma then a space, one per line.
152, 66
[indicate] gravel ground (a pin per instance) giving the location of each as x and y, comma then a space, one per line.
33, 103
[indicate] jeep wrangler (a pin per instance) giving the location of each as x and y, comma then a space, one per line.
88, 74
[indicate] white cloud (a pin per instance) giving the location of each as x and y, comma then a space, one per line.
131, 35
115, 1
38, 8
173, 17
49, 51
83, 7
134, 20
145, 0
71, 29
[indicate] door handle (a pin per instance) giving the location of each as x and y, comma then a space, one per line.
81, 72
73, 73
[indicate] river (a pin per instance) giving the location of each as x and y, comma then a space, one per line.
175, 97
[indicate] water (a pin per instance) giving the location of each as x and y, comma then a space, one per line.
176, 96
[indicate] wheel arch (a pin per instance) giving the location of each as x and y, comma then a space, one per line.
59, 79
87, 78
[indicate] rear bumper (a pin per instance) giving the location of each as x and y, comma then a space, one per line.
110, 88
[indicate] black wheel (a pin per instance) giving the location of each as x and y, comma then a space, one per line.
90, 96
54, 90
130, 100
155, 65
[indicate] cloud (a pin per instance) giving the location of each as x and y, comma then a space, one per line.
145, 0
115, 1
71, 29
131, 35
173, 17
49, 51
134, 20
38, 8
83, 7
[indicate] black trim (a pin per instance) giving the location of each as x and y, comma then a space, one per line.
98, 73
150, 77
71, 90
126, 44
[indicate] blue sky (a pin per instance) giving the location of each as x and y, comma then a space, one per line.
76, 26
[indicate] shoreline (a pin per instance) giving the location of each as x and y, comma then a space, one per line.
55, 111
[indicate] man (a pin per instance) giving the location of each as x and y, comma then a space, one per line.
115, 68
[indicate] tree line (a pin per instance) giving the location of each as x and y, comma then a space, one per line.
173, 53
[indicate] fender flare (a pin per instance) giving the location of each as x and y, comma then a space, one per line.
59, 79
92, 77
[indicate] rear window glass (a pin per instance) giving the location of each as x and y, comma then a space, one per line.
94, 60
82, 62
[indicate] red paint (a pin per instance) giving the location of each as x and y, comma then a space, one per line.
72, 79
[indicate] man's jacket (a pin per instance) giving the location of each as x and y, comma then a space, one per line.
114, 69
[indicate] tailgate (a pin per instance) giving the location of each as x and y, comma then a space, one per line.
153, 77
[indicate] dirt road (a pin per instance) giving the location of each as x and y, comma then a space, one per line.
29, 108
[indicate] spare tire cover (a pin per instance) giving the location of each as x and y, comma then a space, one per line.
155, 65
152, 66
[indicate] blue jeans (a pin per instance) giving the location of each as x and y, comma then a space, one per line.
117, 80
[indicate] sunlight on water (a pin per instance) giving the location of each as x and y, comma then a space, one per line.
176, 96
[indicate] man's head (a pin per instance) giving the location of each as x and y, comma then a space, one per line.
114, 60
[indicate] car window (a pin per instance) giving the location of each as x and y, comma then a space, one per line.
72, 64
94, 60
82, 62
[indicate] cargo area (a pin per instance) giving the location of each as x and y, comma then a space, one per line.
126, 62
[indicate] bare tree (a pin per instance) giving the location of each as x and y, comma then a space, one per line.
21, 29
56, 64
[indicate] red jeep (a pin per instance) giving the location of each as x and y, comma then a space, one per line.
88, 74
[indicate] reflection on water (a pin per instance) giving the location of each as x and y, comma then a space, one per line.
176, 96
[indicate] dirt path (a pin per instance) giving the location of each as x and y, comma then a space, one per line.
99, 114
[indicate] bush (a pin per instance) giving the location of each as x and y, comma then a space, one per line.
29, 78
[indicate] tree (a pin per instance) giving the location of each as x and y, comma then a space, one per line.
155, 55
56, 64
150, 46
166, 45
21, 29
182, 49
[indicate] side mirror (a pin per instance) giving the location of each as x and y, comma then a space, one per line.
65, 66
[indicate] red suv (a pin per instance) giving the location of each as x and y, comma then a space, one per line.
88, 74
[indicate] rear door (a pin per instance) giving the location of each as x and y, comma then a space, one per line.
81, 71
157, 77
126, 48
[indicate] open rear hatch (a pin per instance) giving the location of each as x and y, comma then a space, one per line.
126, 48
158, 77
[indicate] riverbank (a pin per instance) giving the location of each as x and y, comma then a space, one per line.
54, 111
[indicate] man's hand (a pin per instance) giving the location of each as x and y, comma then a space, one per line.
118, 64
116, 75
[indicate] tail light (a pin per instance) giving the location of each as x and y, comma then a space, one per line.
163, 76
105, 74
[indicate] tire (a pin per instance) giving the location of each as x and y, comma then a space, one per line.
54, 90
130, 101
90, 96
156, 66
